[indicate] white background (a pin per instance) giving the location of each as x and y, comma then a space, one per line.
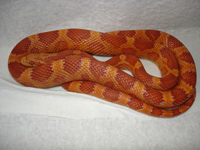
56, 119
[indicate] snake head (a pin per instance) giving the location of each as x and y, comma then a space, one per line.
33, 60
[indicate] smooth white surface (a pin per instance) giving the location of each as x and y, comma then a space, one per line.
55, 119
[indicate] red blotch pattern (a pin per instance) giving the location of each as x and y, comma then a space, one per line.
135, 103
114, 60
87, 87
173, 42
131, 51
153, 97
71, 65
22, 47
132, 60
111, 95
66, 85
77, 35
42, 73
168, 81
97, 68
110, 84
176, 112
143, 44
125, 80
189, 77
143, 76
114, 40
185, 56
178, 94
48, 37
156, 112
16, 69
97, 48
152, 34
127, 33
153, 56
171, 59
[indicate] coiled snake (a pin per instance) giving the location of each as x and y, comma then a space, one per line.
68, 65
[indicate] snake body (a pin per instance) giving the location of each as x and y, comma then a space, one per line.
169, 96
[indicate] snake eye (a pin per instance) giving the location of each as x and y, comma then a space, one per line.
32, 63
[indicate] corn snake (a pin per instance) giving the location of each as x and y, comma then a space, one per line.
169, 96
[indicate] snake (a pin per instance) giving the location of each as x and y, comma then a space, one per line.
65, 57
